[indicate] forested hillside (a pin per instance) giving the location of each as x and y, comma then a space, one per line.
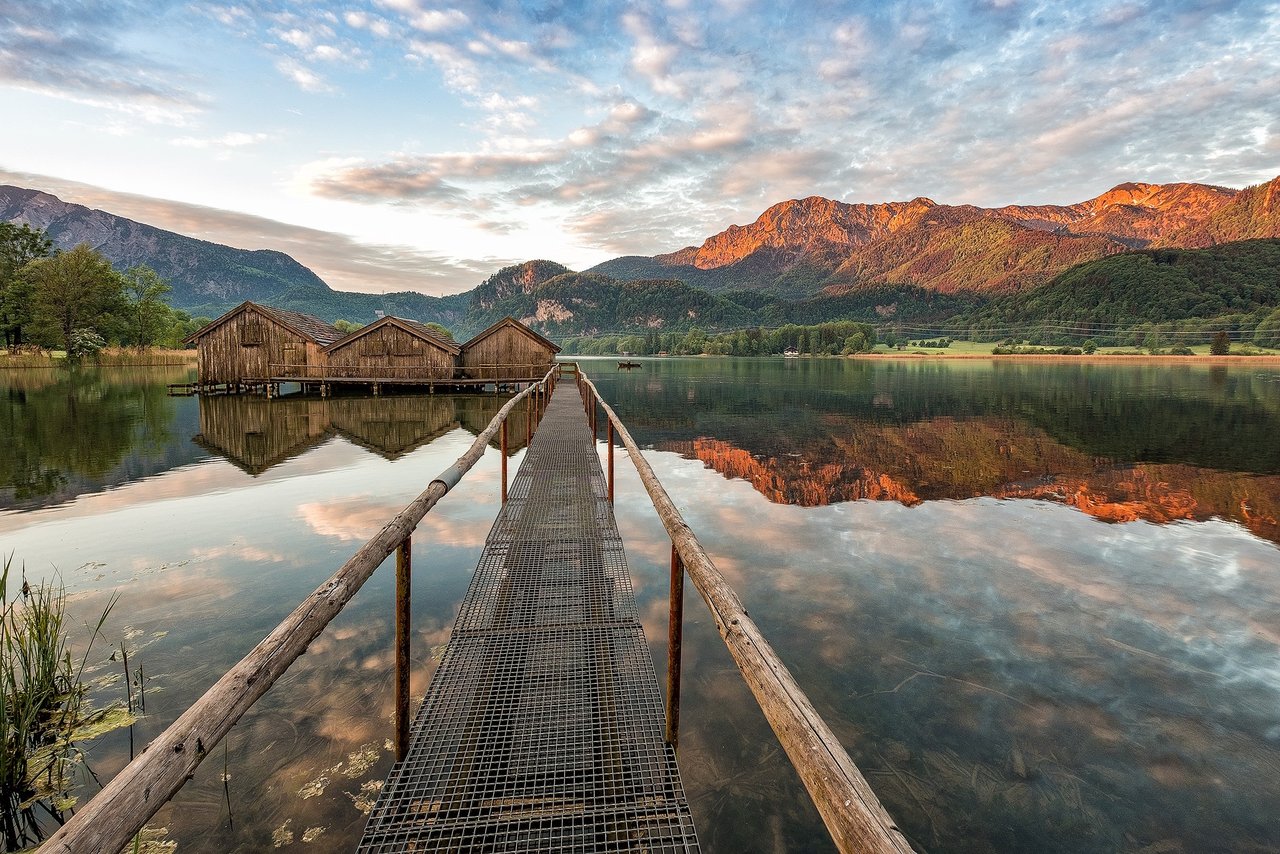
1234, 285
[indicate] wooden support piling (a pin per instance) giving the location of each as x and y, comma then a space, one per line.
675, 644
404, 567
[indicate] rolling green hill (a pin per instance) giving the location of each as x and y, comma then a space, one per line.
1232, 283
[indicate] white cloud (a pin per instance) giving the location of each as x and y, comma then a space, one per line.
438, 21
304, 77
236, 139
651, 58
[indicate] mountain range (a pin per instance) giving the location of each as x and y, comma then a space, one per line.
208, 278
807, 246
803, 260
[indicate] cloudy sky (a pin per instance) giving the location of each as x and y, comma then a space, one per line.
408, 144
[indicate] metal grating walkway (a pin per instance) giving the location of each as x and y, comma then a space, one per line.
543, 728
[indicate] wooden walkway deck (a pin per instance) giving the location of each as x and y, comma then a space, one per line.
543, 727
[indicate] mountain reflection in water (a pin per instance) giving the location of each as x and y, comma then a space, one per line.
1199, 445
946, 458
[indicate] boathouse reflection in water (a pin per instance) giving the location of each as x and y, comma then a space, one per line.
257, 433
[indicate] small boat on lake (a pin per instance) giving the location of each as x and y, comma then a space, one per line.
626, 366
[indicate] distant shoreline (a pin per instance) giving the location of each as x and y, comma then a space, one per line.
1272, 359
1198, 359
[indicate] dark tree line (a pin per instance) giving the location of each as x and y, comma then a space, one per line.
842, 337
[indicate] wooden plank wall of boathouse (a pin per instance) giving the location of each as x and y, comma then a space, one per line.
247, 345
506, 353
390, 352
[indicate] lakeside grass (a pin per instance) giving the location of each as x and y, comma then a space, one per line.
45, 710
110, 358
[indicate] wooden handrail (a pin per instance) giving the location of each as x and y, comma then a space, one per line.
110, 819
854, 816
324, 372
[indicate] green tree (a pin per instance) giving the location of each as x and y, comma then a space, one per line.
693, 343
1090, 346
73, 290
1221, 344
19, 246
346, 327
1268, 332
147, 316
855, 343
184, 326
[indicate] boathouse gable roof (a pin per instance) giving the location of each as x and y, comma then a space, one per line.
412, 327
514, 324
305, 325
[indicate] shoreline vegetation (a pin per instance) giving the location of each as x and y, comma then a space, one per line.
112, 357
46, 713
1100, 356
990, 350
964, 350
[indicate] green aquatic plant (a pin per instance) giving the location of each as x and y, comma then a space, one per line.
44, 708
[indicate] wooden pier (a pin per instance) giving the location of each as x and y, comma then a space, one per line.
543, 728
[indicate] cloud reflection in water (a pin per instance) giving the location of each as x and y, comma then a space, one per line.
1012, 675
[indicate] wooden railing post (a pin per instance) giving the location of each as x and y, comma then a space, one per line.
404, 559
504, 461
609, 422
675, 641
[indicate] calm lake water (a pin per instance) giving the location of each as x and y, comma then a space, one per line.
1039, 603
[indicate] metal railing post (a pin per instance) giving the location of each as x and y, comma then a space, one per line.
675, 640
504, 460
404, 560
609, 422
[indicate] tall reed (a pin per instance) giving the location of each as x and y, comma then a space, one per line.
112, 357
43, 706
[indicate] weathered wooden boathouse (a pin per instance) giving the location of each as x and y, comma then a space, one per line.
251, 343
390, 350
508, 350
258, 348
